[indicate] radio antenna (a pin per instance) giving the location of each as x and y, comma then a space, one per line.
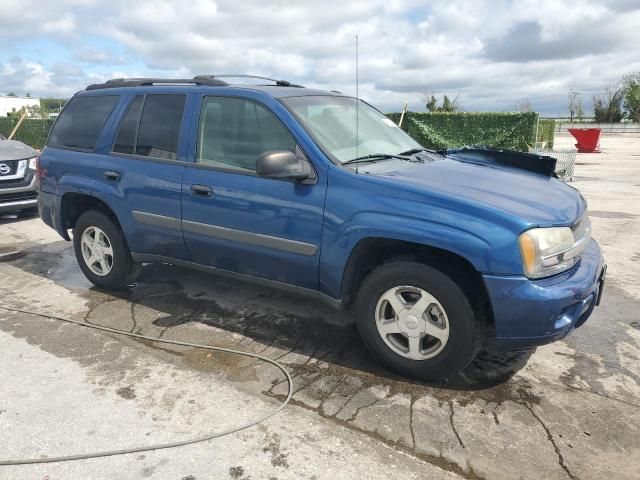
357, 103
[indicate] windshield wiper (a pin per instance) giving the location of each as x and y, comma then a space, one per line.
374, 156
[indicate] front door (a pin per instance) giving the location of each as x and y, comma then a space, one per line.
233, 219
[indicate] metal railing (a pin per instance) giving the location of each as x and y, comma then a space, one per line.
624, 127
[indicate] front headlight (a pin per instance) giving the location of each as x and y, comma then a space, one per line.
32, 163
547, 251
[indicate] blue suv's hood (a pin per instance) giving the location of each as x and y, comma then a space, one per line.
533, 198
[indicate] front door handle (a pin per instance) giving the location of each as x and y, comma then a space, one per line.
201, 190
109, 175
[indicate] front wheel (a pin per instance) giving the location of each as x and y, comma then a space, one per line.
102, 252
417, 320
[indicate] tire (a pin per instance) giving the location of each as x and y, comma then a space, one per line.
449, 309
121, 271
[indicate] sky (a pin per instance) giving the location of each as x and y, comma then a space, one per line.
492, 54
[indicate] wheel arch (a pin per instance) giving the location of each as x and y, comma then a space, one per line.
73, 204
371, 252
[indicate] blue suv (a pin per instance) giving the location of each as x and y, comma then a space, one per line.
321, 194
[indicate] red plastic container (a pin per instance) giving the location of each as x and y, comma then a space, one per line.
588, 139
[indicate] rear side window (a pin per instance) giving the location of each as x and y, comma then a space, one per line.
151, 126
81, 121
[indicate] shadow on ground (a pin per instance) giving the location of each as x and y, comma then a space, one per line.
9, 218
264, 316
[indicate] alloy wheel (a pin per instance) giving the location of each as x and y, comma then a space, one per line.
97, 251
412, 322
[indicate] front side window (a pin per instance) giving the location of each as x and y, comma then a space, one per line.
234, 132
81, 121
151, 126
331, 120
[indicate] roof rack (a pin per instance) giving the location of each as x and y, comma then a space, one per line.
210, 80
279, 83
139, 82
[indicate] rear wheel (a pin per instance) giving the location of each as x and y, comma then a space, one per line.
417, 320
102, 252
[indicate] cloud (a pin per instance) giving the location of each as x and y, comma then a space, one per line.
525, 43
98, 56
20, 76
492, 53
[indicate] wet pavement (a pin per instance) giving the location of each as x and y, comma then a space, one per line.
566, 410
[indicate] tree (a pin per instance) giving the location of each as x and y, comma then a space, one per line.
631, 87
525, 106
575, 105
432, 104
19, 112
11, 94
579, 112
52, 105
448, 105
607, 107
632, 102
47, 106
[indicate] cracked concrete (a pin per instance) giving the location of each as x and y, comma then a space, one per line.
568, 410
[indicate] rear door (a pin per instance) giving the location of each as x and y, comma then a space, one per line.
235, 220
141, 173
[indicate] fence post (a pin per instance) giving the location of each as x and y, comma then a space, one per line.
15, 129
404, 110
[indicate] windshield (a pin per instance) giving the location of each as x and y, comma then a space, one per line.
331, 120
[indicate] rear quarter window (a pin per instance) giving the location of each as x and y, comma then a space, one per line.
81, 122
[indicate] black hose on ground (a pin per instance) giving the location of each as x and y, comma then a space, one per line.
123, 451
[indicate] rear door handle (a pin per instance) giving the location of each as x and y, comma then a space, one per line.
109, 175
202, 190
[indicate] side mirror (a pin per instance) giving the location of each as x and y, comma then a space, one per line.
284, 164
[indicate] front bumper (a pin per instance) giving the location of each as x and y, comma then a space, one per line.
21, 197
534, 312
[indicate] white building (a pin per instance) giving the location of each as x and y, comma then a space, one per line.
9, 104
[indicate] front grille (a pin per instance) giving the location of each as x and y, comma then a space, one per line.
17, 196
12, 171
8, 167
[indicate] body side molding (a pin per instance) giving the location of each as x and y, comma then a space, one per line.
156, 220
276, 243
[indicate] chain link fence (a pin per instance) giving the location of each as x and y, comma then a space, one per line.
566, 161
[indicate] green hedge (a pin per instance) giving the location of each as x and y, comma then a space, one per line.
547, 132
513, 131
33, 131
